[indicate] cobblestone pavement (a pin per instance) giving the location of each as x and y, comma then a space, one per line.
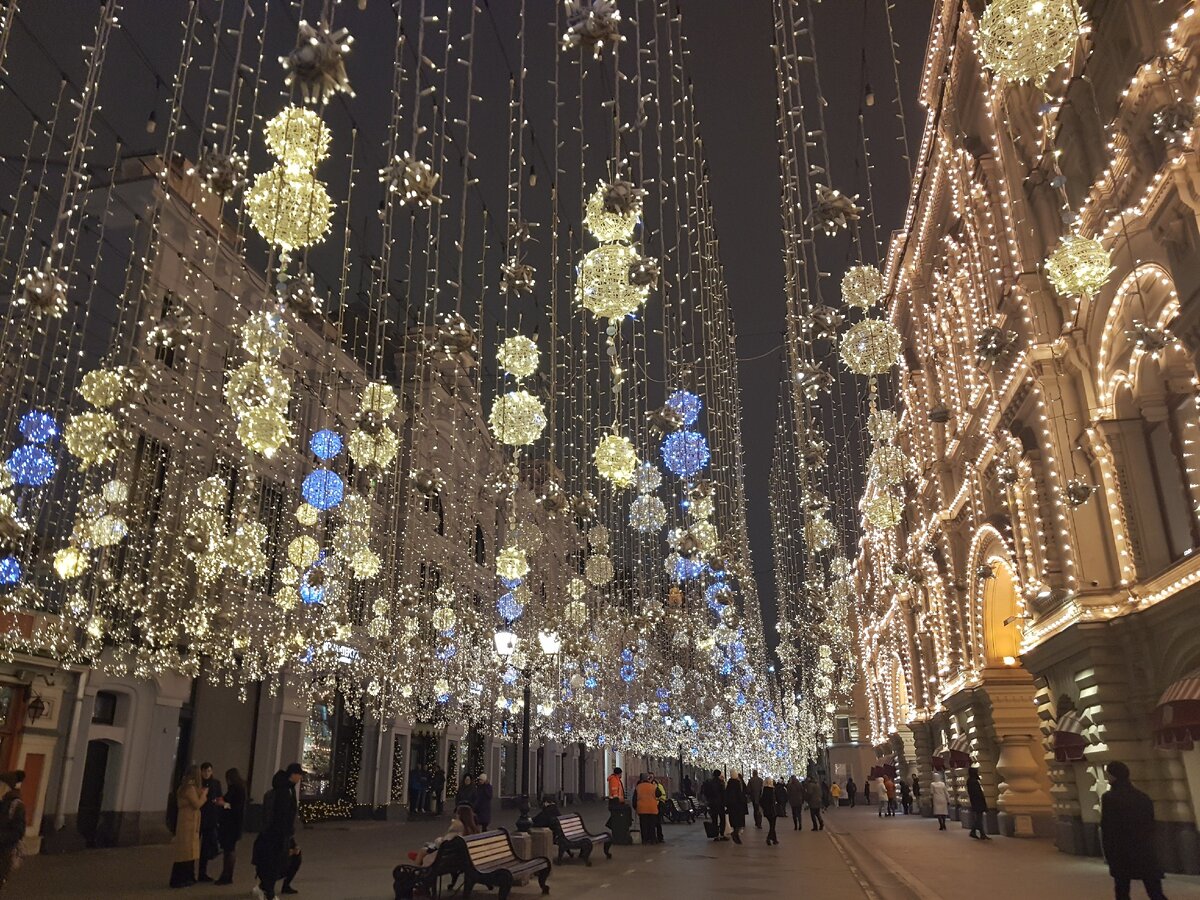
857, 856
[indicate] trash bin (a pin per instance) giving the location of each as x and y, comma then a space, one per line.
619, 820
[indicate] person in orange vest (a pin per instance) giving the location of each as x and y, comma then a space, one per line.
616, 788
645, 797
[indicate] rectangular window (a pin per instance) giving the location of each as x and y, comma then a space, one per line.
104, 712
843, 730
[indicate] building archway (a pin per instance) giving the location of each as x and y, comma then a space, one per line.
1001, 616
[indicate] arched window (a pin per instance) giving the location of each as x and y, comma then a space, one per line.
480, 546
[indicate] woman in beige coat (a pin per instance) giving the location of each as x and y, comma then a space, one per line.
188, 799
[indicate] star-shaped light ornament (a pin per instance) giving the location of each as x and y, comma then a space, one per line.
833, 211
317, 65
593, 25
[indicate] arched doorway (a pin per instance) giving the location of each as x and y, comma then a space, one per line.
1001, 617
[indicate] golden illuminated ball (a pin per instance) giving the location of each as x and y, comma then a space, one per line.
204, 531
351, 538
307, 515
303, 551
884, 510
242, 551
839, 567
298, 138
608, 226
1026, 40
265, 335
263, 430
871, 347
603, 285
365, 563
819, 533
213, 492
888, 465
512, 564
104, 387
518, 356
209, 566
527, 536
70, 562
576, 588
355, 509
598, 536
647, 513
598, 570
615, 459
290, 211
883, 425
378, 397
841, 590
1078, 266
444, 618
92, 438
107, 531
517, 418
257, 384
576, 612
115, 492
373, 450
648, 478
863, 286
704, 533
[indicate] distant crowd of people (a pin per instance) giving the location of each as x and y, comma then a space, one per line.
730, 801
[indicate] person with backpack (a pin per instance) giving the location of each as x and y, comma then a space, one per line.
275, 852
12, 824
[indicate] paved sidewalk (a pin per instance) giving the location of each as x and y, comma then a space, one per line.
908, 857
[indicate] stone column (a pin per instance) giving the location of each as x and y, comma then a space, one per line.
1024, 789
922, 764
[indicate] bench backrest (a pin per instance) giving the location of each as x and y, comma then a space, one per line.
489, 847
572, 826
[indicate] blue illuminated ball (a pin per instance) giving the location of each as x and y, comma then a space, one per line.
31, 465
311, 593
686, 569
325, 444
687, 404
726, 667
10, 570
322, 489
511, 584
685, 453
38, 427
446, 653
510, 608
628, 673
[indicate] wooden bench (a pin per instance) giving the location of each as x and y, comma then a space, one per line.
449, 859
490, 860
569, 834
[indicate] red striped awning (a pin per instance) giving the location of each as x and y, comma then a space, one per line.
1069, 739
956, 754
1176, 718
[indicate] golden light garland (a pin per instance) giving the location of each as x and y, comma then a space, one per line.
517, 418
863, 286
616, 460
1026, 40
871, 347
518, 356
287, 205
1079, 265
603, 287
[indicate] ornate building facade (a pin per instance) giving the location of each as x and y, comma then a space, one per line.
1034, 613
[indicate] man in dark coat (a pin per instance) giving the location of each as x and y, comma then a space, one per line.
735, 805
755, 788
713, 792
275, 852
978, 805
438, 784
210, 819
851, 790
1127, 833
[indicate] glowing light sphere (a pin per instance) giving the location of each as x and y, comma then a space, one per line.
871, 347
628, 673
1079, 265
115, 492
683, 568
242, 549
289, 210
647, 478
598, 536
687, 404
322, 489
365, 564
839, 567
70, 562
527, 536
444, 619
376, 450
38, 427
603, 286
325, 444
91, 437
576, 588
509, 607
103, 387
518, 356
607, 225
298, 138
517, 418
378, 397
863, 286
107, 531
10, 570
819, 533
884, 510
303, 551
307, 514
311, 593
647, 514
511, 563
883, 425
888, 465
263, 430
718, 595
1026, 40
31, 466
685, 453
212, 492
257, 384
598, 570
616, 459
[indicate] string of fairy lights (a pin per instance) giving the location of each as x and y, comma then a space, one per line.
292, 400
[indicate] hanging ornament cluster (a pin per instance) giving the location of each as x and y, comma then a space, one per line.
287, 205
95, 437
592, 25
317, 65
863, 286
612, 280
1079, 265
1026, 40
616, 460
647, 513
258, 391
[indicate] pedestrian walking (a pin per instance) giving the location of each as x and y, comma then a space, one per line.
889, 789
275, 854
978, 805
466, 793
210, 819
437, 785
826, 795
189, 800
916, 786
835, 793
483, 801
12, 824
660, 795
781, 798
231, 823
795, 795
906, 797
755, 789
735, 806
880, 790
767, 808
812, 796
852, 791
1127, 835
414, 790
646, 806
713, 792
941, 800
689, 789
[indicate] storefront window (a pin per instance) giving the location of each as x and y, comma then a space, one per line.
318, 748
